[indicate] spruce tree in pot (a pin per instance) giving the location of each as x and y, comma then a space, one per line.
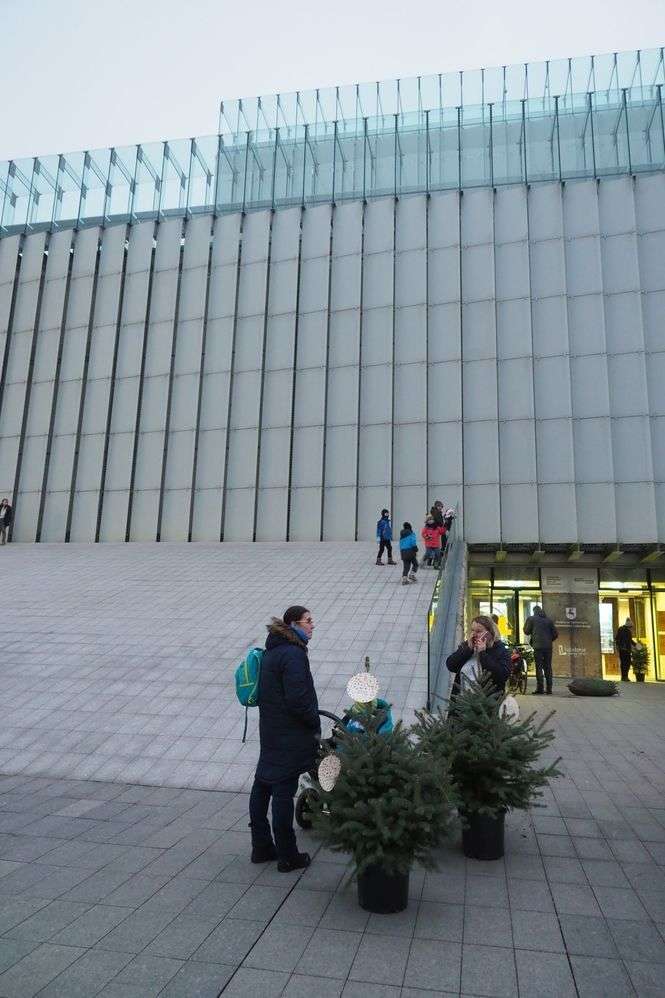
492, 763
640, 661
388, 809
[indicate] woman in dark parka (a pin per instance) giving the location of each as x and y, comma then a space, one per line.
289, 727
482, 652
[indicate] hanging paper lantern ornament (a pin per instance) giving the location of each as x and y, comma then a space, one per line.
363, 687
329, 770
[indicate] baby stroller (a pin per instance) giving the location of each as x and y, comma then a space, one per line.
309, 788
517, 680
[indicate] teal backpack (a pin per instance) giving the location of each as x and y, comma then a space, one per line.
248, 674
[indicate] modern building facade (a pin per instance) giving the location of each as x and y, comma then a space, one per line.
445, 287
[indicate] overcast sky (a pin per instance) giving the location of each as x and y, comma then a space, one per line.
79, 74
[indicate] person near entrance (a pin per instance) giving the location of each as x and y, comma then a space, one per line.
624, 643
542, 633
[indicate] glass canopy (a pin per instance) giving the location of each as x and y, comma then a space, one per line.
585, 117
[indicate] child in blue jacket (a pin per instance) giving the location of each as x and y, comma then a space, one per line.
384, 537
408, 549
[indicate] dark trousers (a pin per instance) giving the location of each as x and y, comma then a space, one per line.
543, 659
409, 565
385, 546
282, 794
625, 655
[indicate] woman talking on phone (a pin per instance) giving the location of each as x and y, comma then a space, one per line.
482, 652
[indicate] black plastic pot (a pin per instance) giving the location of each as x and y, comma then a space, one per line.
640, 677
482, 838
383, 893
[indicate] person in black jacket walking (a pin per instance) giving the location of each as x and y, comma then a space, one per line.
543, 634
482, 652
289, 727
5, 519
623, 640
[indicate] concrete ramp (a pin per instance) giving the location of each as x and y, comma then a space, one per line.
116, 661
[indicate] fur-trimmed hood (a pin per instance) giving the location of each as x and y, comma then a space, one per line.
277, 629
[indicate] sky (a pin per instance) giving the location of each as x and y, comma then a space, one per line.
85, 74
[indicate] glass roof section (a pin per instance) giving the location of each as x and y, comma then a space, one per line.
592, 116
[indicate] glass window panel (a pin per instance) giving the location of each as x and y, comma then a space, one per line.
610, 137
149, 170
122, 171
576, 139
507, 143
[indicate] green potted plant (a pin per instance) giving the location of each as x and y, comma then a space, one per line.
492, 760
640, 661
592, 686
385, 805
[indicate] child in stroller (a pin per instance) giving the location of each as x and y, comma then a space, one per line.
362, 689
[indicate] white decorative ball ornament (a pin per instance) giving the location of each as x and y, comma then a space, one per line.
363, 687
329, 770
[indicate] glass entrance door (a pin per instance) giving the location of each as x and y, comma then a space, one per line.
511, 606
614, 608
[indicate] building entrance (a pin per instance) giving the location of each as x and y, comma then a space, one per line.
614, 608
511, 605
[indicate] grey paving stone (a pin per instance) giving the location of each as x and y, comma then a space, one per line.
304, 908
98, 886
530, 895
487, 926
564, 870
544, 975
198, 980
620, 902
304, 986
136, 890
598, 977
48, 921
13, 911
13, 950
586, 935
230, 942
381, 960
442, 888
137, 930
593, 849
355, 989
343, 912
87, 976
537, 931
183, 936
322, 876
490, 892
604, 874
216, 899
488, 970
250, 983
280, 948
329, 953
258, 903
89, 928
574, 899
401, 923
556, 845
37, 969
524, 867
149, 971
437, 920
646, 978
638, 941
434, 964
654, 903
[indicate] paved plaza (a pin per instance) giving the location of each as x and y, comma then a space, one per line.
116, 661
132, 892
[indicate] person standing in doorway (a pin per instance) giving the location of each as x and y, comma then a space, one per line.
543, 633
384, 537
624, 644
5, 520
408, 549
289, 728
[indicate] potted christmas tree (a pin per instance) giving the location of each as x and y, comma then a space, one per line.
384, 804
492, 762
640, 661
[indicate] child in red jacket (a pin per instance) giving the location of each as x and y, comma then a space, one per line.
431, 535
